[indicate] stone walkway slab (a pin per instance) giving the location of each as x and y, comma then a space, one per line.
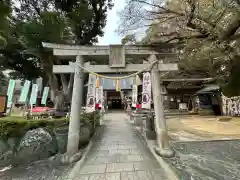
118, 153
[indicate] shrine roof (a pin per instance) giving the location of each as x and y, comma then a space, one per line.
208, 89
186, 82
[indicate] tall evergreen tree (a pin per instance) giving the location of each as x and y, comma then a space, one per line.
55, 21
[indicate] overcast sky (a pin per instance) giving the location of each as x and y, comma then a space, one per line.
110, 36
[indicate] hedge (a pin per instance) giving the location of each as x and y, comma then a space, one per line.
17, 126
11, 126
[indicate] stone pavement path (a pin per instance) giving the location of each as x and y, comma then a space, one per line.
118, 153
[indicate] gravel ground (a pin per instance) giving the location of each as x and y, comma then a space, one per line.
207, 160
41, 170
190, 128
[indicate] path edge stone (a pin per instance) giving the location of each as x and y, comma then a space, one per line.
78, 165
169, 171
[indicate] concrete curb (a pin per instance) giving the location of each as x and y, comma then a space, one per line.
204, 140
169, 171
78, 165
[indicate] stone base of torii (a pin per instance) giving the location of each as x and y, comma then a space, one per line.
117, 63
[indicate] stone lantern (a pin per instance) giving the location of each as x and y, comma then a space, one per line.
129, 109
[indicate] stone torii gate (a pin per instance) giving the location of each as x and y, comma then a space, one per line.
117, 55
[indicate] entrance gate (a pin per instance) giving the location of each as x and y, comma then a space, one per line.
117, 63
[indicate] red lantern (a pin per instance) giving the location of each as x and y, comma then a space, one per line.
138, 106
96, 106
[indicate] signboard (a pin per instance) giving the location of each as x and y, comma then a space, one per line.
146, 91
45, 95
99, 96
183, 106
25, 91
91, 93
34, 93
134, 95
10, 90
3, 104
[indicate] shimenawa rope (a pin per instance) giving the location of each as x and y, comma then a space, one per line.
117, 78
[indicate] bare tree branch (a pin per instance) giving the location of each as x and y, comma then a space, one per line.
194, 21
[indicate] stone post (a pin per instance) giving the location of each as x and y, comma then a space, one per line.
160, 123
74, 123
128, 109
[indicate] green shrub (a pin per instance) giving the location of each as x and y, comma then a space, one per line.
89, 118
97, 115
17, 126
11, 126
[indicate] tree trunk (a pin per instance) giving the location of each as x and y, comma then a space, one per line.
65, 95
47, 65
54, 86
60, 100
70, 86
64, 83
58, 96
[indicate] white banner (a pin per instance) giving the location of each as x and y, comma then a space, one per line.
25, 91
134, 95
146, 91
99, 96
45, 95
10, 91
90, 105
34, 94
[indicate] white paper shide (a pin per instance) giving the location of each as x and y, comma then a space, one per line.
90, 105
146, 91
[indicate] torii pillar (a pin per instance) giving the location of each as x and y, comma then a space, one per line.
74, 123
163, 148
